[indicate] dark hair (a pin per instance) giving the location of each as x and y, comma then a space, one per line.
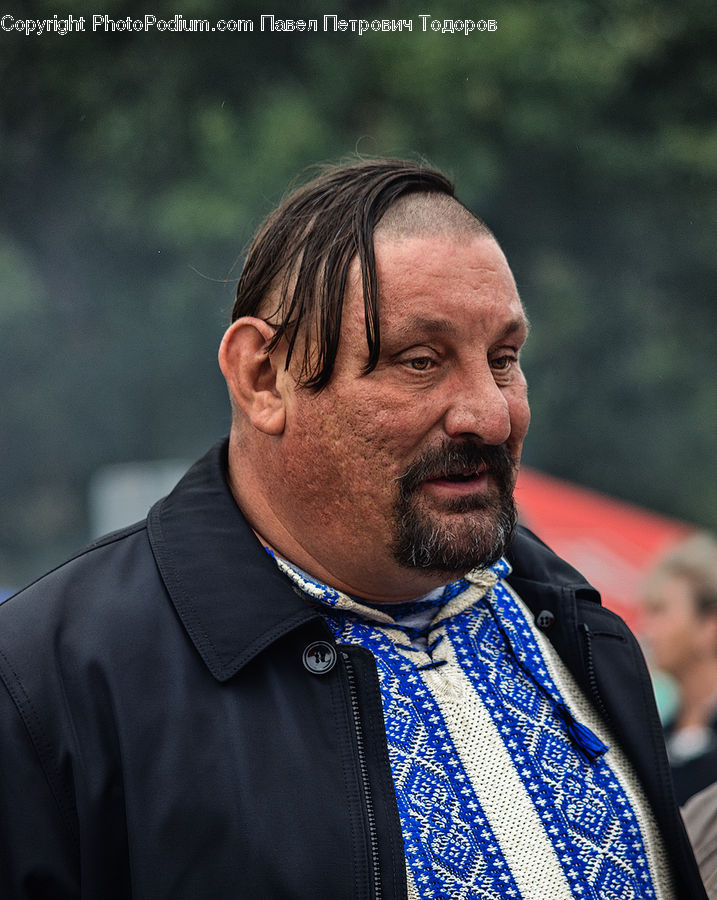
303, 251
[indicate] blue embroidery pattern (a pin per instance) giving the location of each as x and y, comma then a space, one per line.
450, 846
582, 805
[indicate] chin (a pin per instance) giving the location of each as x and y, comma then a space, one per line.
437, 547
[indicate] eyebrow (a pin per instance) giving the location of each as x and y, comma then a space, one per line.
519, 323
427, 324
430, 325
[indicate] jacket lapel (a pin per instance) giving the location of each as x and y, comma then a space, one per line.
231, 598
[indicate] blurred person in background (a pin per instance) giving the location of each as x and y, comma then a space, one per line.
680, 631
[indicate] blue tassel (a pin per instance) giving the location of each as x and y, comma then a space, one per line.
587, 742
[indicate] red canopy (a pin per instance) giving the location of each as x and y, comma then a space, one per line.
611, 542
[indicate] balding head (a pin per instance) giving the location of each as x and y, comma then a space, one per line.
429, 215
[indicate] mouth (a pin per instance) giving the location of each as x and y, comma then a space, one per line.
464, 480
460, 475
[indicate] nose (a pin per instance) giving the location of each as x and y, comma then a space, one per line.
478, 409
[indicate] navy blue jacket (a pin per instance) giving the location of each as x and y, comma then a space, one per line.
162, 739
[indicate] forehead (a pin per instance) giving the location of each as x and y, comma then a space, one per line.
443, 282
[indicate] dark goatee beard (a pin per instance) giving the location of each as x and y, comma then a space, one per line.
478, 537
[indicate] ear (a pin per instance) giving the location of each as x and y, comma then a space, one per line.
250, 373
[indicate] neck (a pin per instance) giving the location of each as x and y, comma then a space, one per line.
406, 587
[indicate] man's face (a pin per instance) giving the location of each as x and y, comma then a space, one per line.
406, 473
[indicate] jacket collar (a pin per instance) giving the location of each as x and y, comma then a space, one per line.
539, 570
229, 594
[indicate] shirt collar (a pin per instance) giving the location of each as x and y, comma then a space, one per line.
448, 600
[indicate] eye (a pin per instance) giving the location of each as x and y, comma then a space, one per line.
420, 363
504, 362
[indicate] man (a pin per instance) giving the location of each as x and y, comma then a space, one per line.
680, 628
315, 670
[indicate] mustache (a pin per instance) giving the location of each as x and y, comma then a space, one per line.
454, 458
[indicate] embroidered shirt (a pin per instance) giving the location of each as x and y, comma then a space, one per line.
486, 730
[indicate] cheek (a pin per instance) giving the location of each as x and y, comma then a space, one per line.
519, 417
343, 456
385, 428
673, 636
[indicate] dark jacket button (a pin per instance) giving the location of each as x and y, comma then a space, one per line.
545, 619
319, 657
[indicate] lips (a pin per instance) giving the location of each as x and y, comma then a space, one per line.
464, 474
456, 484
458, 475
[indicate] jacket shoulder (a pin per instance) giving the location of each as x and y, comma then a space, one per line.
101, 562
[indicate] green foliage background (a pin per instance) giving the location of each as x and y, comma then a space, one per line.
136, 166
